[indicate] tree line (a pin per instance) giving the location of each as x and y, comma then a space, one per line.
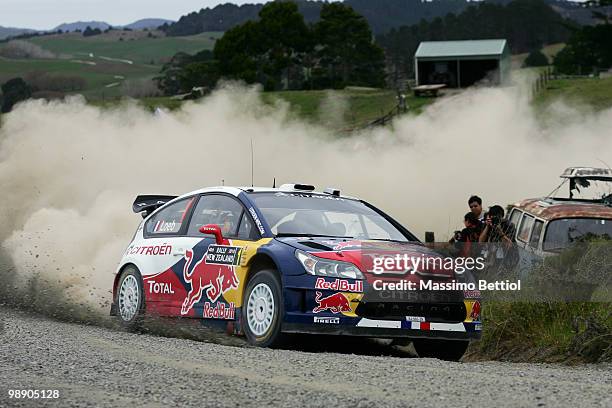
281, 51
382, 15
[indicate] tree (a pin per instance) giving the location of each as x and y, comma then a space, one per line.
14, 90
266, 51
536, 59
588, 50
286, 39
346, 49
91, 32
180, 75
238, 52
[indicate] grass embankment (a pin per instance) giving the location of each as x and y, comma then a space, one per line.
595, 93
569, 332
564, 313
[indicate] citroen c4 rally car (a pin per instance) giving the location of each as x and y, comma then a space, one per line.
264, 262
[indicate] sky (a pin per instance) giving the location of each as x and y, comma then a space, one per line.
48, 14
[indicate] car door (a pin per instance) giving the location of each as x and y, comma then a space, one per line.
161, 252
208, 271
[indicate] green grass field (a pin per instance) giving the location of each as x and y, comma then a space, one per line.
140, 50
359, 106
593, 92
88, 58
97, 76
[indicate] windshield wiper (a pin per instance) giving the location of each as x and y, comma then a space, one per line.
298, 234
387, 240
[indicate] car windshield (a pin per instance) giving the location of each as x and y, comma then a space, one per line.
306, 214
563, 232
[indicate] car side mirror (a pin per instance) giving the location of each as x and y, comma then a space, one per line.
213, 229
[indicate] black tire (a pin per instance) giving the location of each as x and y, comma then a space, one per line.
131, 322
272, 336
449, 350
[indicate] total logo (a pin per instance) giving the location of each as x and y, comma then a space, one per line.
160, 287
342, 285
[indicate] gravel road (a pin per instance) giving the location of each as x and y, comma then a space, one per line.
100, 367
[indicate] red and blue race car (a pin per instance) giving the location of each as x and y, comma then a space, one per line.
264, 262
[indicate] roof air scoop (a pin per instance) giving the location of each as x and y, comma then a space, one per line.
297, 186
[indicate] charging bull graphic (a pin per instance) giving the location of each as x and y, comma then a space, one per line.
475, 315
335, 303
214, 278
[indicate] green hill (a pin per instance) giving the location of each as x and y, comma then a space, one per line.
140, 47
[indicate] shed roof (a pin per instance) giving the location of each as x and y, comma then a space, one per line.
468, 48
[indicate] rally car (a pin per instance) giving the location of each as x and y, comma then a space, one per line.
264, 262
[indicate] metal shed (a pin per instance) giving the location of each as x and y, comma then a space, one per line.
459, 64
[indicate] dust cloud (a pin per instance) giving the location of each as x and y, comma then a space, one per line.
69, 171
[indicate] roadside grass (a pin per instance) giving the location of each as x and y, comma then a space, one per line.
563, 313
595, 93
570, 332
140, 50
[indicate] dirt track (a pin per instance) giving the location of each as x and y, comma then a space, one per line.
96, 366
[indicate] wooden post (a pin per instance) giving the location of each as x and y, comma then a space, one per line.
430, 237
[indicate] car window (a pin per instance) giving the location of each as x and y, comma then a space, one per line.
169, 220
247, 228
515, 217
217, 209
536, 234
526, 225
563, 232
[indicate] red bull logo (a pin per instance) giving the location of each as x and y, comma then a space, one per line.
475, 314
215, 279
335, 303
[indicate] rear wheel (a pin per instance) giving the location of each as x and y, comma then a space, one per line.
130, 298
450, 350
262, 309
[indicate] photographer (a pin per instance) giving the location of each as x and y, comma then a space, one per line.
496, 228
471, 233
498, 234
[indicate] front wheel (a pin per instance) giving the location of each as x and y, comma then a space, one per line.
450, 350
130, 299
262, 309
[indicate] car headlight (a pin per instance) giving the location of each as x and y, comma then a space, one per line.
325, 267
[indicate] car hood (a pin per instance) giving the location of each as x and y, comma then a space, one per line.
360, 252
